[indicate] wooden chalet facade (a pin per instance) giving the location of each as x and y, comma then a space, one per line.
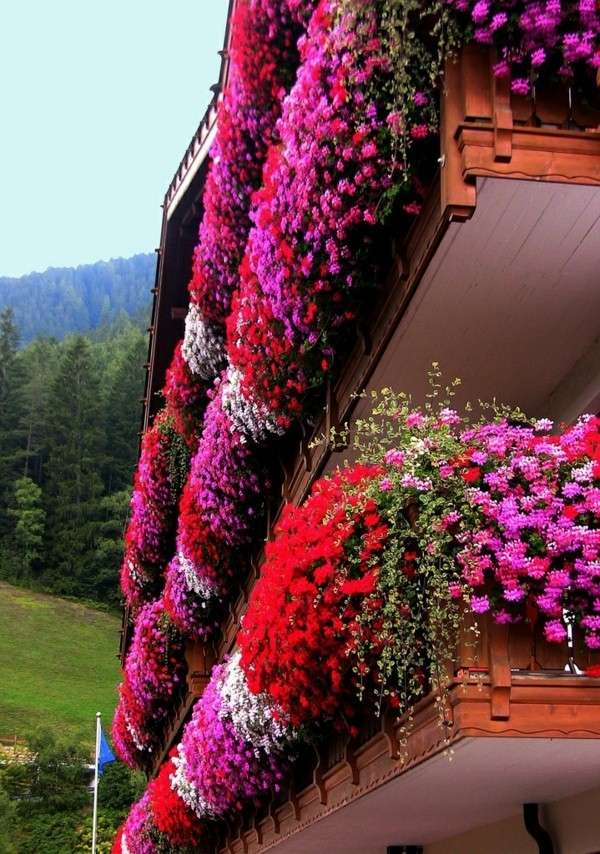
498, 281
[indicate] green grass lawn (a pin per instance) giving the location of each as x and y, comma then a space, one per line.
58, 665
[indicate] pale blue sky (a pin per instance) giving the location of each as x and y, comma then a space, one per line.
98, 101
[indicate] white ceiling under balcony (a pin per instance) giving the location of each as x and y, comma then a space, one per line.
510, 303
487, 780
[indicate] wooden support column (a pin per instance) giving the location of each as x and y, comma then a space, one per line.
500, 675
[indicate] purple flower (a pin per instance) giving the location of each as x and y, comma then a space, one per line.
480, 604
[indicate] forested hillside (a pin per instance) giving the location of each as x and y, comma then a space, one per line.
64, 300
69, 419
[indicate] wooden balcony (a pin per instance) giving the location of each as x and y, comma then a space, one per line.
511, 695
539, 355
510, 702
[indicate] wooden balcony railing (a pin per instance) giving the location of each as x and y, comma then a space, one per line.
488, 131
505, 681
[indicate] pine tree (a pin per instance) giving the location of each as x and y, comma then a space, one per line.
9, 342
40, 363
124, 385
29, 517
11, 406
74, 486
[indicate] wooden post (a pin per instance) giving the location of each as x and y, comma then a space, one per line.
200, 658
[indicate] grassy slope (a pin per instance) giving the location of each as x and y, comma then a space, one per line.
57, 664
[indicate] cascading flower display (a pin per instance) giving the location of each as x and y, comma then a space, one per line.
232, 748
263, 59
220, 511
203, 345
130, 734
149, 538
538, 542
185, 397
140, 582
296, 636
117, 846
308, 251
366, 583
535, 36
228, 481
191, 594
364, 587
138, 832
170, 814
153, 675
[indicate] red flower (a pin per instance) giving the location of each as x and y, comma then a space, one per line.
318, 569
472, 474
171, 815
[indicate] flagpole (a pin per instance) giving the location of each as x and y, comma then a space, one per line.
95, 818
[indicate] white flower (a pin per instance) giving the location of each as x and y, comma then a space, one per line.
584, 473
124, 847
252, 715
186, 790
136, 736
251, 419
203, 345
203, 587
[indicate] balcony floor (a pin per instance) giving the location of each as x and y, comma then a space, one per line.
510, 303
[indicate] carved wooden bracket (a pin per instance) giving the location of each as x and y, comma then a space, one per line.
389, 727
350, 758
272, 814
503, 120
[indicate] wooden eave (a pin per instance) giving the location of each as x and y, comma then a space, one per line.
182, 212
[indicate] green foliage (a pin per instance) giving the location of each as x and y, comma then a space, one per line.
54, 779
66, 300
69, 421
30, 518
45, 802
119, 788
50, 833
75, 452
415, 620
8, 817
11, 382
108, 822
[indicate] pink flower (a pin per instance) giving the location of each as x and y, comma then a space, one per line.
394, 458
480, 604
555, 631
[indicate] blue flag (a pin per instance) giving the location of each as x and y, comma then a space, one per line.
105, 754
